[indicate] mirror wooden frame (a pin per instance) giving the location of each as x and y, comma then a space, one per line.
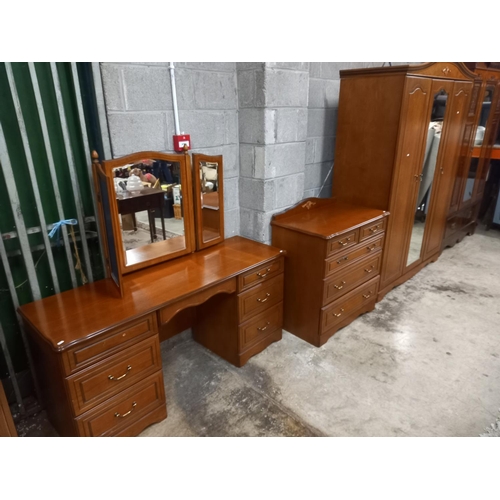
197, 158
152, 253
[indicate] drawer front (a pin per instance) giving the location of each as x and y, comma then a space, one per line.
356, 275
109, 342
260, 326
342, 242
372, 229
340, 261
339, 310
102, 381
260, 298
259, 274
109, 418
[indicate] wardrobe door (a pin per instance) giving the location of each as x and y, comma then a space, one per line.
412, 133
447, 162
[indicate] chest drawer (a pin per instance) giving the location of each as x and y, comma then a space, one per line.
339, 243
109, 418
372, 229
108, 343
260, 274
260, 298
260, 326
99, 382
338, 262
352, 277
336, 312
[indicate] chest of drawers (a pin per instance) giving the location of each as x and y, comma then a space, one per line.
334, 255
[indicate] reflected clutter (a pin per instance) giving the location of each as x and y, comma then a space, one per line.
149, 199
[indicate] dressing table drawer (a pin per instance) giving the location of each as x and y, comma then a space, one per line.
342, 242
338, 262
108, 343
349, 279
372, 229
260, 298
261, 326
339, 310
259, 274
94, 385
110, 418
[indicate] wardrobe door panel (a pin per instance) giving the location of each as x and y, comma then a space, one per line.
414, 121
445, 171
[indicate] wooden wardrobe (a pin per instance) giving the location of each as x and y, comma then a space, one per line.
397, 148
475, 154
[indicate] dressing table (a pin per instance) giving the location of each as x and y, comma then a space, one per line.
96, 348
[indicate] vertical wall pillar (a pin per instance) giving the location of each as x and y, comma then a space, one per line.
272, 131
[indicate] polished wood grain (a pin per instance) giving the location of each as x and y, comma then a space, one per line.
91, 386
335, 312
350, 278
260, 297
321, 237
93, 350
353, 255
77, 315
260, 326
116, 414
446, 167
325, 218
209, 221
7, 427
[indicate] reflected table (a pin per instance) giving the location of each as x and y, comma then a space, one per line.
147, 199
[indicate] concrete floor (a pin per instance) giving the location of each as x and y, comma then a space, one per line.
425, 362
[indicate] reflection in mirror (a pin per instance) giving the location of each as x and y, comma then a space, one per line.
149, 200
210, 202
481, 128
426, 176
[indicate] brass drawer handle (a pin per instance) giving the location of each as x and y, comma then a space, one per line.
346, 241
339, 314
264, 327
370, 270
268, 270
263, 300
368, 295
339, 287
343, 258
117, 415
121, 376
374, 229
370, 249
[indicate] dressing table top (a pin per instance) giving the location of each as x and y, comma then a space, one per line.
75, 315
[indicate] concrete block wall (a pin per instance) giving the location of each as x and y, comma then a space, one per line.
272, 132
140, 115
275, 123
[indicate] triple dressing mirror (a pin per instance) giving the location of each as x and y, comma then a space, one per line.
146, 209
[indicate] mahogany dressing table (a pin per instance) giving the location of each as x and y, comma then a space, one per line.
96, 348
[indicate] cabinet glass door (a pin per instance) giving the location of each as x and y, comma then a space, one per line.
425, 178
484, 114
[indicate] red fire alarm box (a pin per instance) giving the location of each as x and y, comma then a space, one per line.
181, 141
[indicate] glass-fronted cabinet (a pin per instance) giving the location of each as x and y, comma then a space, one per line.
474, 160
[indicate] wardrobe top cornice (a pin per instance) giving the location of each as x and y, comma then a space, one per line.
448, 70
